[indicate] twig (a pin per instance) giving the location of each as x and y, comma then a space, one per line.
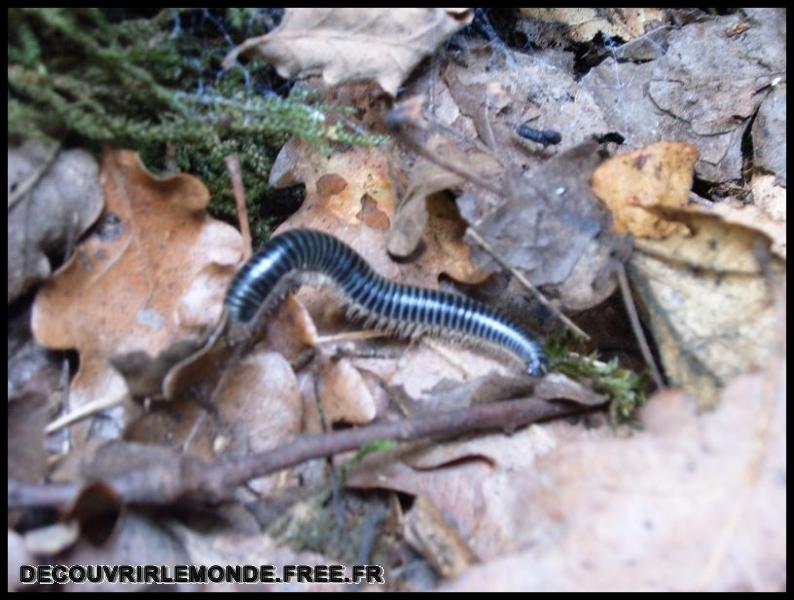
348, 336
450, 357
215, 482
84, 412
636, 326
470, 232
233, 165
336, 480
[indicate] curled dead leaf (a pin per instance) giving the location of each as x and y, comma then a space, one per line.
155, 270
350, 44
657, 175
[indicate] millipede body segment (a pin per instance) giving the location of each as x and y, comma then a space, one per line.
397, 308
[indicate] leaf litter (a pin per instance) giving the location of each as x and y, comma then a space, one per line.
141, 300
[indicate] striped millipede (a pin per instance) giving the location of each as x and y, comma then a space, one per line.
404, 310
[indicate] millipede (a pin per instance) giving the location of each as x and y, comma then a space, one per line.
399, 309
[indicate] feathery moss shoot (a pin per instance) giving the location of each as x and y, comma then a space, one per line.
152, 81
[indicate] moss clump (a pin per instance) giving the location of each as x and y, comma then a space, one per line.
153, 82
623, 387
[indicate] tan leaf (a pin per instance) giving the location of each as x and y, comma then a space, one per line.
767, 213
657, 175
357, 212
691, 501
426, 529
154, 270
351, 44
345, 395
52, 215
713, 299
261, 408
256, 406
586, 23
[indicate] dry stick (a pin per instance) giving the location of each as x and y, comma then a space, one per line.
636, 326
85, 411
472, 233
348, 336
217, 481
233, 165
511, 413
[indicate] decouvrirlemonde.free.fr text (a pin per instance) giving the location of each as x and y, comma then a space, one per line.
154, 574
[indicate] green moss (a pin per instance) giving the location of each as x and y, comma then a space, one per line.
154, 83
623, 387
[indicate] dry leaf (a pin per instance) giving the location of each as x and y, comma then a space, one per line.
690, 501
767, 213
430, 534
154, 270
255, 403
494, 93
344, 394
769, 134
713, 299
351, 44
586, 23
702, 91
261, 408
341, 212
657, 175
548, 222
53, 215
424, 180
28, 415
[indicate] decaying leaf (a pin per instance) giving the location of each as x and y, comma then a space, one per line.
657, 175
227, 406
426, 529
53, 215
713, 299
769, 134
556, 495
424, 180
493, 94
586, 23
154, 270
702, 91
767, 213
350, 44
343, 212
344, 394
260, 408
27, 416
548, 221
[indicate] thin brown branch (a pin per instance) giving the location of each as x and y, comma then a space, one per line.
470, 232
636, 326
233, 165
165, 484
